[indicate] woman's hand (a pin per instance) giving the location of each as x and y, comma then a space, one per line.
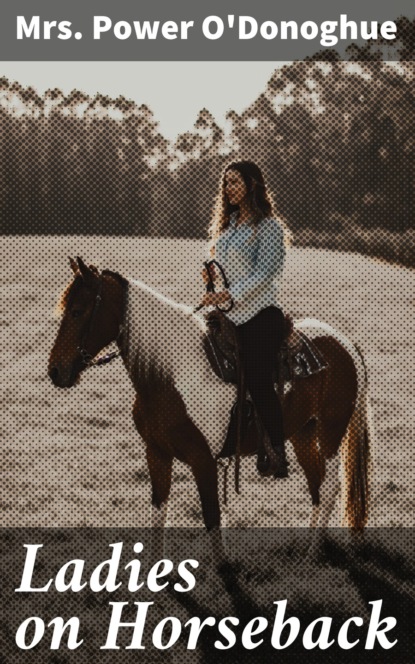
213, 299
213, 274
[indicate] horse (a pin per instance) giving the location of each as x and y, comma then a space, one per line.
181, 408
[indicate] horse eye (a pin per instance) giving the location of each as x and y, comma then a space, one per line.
77, 313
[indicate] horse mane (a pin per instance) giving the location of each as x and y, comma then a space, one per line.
163, 335
180, 308
115, 275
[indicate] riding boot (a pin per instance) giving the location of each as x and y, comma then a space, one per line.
260, 339
271, 420
276, 466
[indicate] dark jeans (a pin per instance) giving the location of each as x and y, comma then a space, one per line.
260, 340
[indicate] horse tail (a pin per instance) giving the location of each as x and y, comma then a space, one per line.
356, 462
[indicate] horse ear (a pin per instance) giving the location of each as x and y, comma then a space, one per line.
86, 273
74, 266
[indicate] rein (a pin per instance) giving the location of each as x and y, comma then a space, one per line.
210, 286
240, 383
88, 360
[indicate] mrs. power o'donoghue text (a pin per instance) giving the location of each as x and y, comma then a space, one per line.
328, 33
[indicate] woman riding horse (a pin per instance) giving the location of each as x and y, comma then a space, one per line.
248, 241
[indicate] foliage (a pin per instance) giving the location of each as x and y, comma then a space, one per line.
335, 139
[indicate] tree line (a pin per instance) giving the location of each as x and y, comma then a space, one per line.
335, 139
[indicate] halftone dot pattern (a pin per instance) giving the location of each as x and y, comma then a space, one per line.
94, 177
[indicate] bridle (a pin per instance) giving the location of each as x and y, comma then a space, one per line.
88, 359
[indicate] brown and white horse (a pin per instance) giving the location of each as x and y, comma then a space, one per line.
182, 409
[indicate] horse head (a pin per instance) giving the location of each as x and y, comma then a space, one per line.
92, 315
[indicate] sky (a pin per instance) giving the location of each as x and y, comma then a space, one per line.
175, 91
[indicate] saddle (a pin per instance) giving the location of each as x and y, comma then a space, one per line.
298, 359
299, 356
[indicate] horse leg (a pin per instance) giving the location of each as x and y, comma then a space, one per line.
194, 451
307, 450
330, 435
315, 513
160, 467
223, 490
329, 490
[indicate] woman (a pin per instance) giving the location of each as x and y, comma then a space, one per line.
249, 244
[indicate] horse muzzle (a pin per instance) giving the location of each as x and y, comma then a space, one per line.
64, 376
